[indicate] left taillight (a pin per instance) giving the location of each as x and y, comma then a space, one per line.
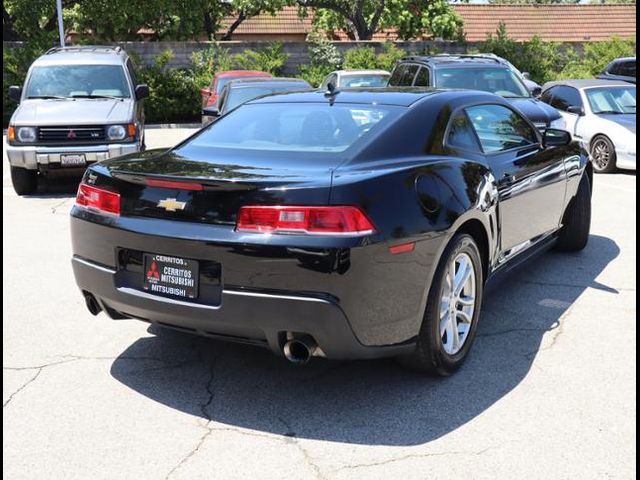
99, 199
338, 220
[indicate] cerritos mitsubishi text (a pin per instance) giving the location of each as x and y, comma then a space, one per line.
346, 224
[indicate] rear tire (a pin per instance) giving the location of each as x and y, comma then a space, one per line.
435, 352
25, 182
603, 154
574, 235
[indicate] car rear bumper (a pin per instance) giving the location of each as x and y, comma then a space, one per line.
243, 316
43, 157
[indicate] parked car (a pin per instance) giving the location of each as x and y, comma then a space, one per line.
534, 87
623, 69
601, 114
357, 79
211, 94
471, 72
290, 225
237, 92
78, 105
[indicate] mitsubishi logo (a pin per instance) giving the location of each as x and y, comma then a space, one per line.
171, 204
71, 135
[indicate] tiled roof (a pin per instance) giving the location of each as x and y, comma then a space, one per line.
562, 23
286, 22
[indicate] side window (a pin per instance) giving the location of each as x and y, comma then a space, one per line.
408, 76
424, 78
565, 97
397, 75
628, 69
548, 95
500, 128
132, 73
461, 134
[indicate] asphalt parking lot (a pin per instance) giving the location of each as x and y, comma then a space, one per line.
548, 392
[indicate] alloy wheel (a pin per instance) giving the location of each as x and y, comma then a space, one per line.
601, 154
457, 303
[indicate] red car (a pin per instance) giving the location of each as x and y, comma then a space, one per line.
211, 94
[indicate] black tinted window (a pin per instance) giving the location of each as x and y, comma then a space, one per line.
408, 75
424, 78
500, 128
461, 134
397, 75
565, 97
628, 69
548, 95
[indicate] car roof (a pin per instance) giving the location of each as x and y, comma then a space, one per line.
363, 72
400, 97
265, 81
470, 61
624, 59
587, 83
83, 55
242, 73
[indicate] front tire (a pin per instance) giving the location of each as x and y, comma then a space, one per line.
453, 308
574, 235
25, 182
604, 156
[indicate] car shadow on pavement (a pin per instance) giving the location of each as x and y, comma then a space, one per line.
65, 187
369, 402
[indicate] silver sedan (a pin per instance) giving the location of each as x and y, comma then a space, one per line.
600, 114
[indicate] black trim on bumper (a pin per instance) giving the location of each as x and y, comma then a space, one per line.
244, 316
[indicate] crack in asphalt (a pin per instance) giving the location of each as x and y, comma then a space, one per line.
54, 209
413, 456
555, 326
25, 385
291, 437
204, 409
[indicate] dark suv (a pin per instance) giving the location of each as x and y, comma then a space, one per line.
469, 72
620, 69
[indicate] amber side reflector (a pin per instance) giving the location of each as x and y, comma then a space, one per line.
11, 134
403, 248
132, 130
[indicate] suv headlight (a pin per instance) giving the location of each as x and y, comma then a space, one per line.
559, 124
116, 132
26, 134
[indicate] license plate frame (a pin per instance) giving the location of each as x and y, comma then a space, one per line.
73, 160
170, 276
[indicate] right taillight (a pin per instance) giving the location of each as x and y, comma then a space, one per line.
98, 199
339, 220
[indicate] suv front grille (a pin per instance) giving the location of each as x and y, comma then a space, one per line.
71, 134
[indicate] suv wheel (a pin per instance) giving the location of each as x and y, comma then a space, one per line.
453, 309
25, 182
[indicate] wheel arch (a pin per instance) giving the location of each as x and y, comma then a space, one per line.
477, 230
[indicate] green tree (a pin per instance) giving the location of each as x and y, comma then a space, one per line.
361, 19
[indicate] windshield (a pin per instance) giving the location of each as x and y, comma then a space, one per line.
501, 81
238, 96
294, 127
364, 81
68, 81
616, 100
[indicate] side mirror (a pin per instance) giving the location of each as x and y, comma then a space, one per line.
556, 138
142, 92
576, 110
526, 75
15, 94
212, 111
536, 92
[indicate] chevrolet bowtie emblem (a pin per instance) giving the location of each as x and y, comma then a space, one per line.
171, 204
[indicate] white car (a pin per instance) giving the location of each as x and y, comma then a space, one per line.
357, 79
601, 114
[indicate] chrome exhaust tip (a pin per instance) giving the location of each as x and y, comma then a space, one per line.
300, 350
92, 304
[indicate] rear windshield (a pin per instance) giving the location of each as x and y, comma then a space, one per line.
296, 127
238, 96
501, 81
78, 81
364, 81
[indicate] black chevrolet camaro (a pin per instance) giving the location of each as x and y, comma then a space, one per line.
353, 224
